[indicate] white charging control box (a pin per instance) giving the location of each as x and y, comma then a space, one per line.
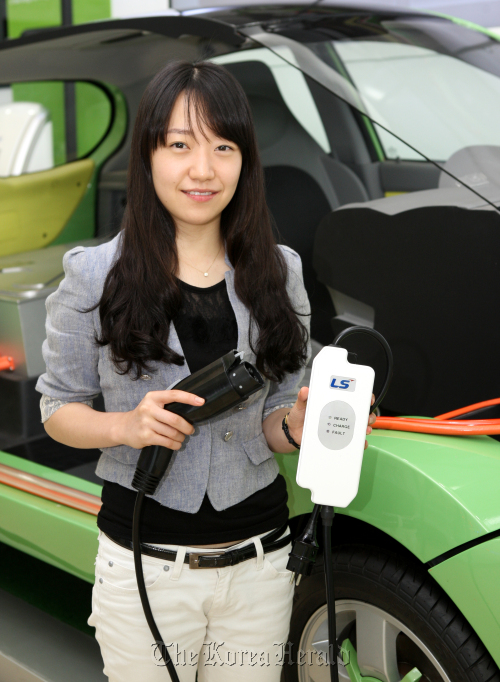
333, 439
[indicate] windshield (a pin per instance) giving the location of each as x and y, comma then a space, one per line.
439, 102
428, 81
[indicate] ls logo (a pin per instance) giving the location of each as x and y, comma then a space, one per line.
342, 383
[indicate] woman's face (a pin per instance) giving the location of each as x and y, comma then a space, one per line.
195, 175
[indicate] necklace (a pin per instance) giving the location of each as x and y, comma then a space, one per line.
205, 273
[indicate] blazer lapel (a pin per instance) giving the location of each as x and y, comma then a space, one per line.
241, 313
174, 372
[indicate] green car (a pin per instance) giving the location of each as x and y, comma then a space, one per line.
379, 140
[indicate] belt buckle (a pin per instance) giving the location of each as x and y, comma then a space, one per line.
196, 557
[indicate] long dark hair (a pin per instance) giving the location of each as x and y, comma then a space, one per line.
141, 295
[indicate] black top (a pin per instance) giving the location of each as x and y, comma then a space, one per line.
207, 329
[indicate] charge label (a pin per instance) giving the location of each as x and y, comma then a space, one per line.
336, 425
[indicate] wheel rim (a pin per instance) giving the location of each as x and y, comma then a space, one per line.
377, 635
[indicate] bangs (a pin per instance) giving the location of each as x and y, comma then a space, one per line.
215, 102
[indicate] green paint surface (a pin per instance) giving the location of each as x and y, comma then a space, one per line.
90, 10
472, 581
59, 535
299, 499
466, 24
93, 108
350, 660
29, 14
430, 493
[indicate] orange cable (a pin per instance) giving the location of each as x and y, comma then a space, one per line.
470, 408
478, 427
444, 424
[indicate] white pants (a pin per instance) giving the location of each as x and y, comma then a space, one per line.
226, 623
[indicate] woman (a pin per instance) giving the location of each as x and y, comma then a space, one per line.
194, 273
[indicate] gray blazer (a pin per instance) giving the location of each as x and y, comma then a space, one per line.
228, 457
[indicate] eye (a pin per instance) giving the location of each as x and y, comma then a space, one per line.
179, 145
224, 147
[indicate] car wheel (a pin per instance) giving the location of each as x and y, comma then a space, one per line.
395, 615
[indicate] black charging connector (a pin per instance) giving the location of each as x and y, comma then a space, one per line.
305, 549
151, 467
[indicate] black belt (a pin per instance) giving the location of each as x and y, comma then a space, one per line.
270, 543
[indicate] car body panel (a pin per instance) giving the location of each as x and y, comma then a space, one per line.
52, 532
37, 206
471, 579
408, 490
430, 493
40, 220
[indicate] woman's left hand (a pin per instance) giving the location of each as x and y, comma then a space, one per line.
295, 419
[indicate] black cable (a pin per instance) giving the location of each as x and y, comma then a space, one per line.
388, 354
327, 514
142, 587
304, 550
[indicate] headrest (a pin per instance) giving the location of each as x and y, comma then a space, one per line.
477, 166
270, 113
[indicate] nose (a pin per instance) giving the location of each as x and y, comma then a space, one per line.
202, 165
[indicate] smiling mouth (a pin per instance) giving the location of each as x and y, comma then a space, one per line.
196, 193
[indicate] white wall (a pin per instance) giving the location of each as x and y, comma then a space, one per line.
5, 96
120, 9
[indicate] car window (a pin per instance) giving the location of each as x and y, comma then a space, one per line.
431, 83
438, 102
292, 86
50, 123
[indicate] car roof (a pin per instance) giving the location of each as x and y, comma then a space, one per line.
343, 14
124, 52
120, 52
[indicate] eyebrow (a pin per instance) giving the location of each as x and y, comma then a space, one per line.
179, 131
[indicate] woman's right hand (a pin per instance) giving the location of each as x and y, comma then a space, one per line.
151, 424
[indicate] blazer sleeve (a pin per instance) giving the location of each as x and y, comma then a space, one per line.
284, 394
70, 352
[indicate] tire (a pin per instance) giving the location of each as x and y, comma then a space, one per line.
375, 592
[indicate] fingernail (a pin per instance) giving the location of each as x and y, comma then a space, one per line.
200, 400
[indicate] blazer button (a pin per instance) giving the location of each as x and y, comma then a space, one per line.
228, 435
146, 377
